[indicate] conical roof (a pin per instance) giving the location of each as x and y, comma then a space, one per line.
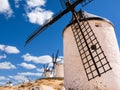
89, 16
92, 16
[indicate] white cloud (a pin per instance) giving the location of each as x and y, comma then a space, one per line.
7, 65
39, 16
40, 70
30, 74
19, 78
60, 59
24, 76
50, 64
40, 59
2, 78
35, 13
5, 8
3, 56
28, 66
2, 47
35, 3
9, 49
2, 83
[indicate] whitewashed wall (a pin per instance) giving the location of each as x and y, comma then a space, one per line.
59, 70
74, 73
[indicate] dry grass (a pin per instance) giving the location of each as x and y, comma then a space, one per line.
56, 83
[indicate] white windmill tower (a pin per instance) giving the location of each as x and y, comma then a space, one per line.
58, 68
91, 54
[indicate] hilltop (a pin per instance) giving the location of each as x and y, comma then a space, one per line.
40, 84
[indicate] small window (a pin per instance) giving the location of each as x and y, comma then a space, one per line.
93, 47
98, 25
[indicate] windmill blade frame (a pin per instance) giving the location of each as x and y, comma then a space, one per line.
41, 29
56, 56
52, 57
89, 46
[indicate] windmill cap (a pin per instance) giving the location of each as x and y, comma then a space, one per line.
90, 16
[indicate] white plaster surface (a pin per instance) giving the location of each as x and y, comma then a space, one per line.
74, 73
59, 70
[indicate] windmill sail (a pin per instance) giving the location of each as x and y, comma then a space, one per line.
93, 58
56, 56
41, 29
72, 5
54, 60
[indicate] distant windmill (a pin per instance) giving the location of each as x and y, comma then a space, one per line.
9, 83
47, 71
81, 39
54, 59
57, 68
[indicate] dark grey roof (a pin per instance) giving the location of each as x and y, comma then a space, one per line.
90, 16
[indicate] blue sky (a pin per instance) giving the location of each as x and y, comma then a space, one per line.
19, 18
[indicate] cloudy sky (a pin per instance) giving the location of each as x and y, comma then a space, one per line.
19, 18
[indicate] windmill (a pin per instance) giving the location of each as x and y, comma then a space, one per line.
9, 83
70, 5
47, 71
54, 59
92, 55
57, 68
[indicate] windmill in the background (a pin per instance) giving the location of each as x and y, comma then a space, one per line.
93, 56
9, 83
54, 59
47, 71
57, 68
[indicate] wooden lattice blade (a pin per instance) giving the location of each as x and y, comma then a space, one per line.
92, 55
41, 29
